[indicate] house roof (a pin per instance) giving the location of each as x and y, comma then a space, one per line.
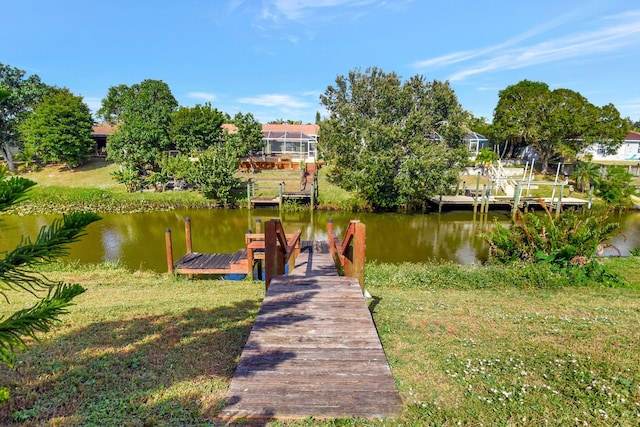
229, 127
104, 129
633, 136
280, 129
306, 129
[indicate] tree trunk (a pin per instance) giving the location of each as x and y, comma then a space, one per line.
8, 156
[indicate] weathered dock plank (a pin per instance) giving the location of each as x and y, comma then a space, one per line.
313, 352
204, 263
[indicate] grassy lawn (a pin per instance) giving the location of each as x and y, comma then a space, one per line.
468, 345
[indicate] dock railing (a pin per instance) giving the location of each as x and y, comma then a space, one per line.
349, 253
279, 250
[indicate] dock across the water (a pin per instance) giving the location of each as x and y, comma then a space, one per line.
503, 202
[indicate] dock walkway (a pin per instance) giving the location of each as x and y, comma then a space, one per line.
313, 351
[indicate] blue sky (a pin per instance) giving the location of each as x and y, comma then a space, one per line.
274, 58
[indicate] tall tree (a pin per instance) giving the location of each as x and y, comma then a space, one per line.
17, 273
23, 94
214, 173
143, 114
197, 128
557, 123
516, 118
60, 129
377, 130
248, 136
584, 173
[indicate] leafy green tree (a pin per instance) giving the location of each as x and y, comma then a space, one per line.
60, 129
197, 128
143, 114
615, 187
377, 131
248, 137
516, 118
608, 131
22, 95
214, 173
179, 169
486, 157
285, 122
556, 123
584, 173
427, 169
18, 272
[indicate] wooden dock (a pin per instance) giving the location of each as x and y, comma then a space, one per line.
206, 263
313, 351
501, 202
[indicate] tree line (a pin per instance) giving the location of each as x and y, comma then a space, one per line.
52, 125
394, 142
397, 142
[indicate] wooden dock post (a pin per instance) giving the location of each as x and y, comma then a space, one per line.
516, 201
249, 193
312, 203
475, 196
332, 244
169, 248
559, 204
258, 225
187, 234
273, 258
359, 250
281, 195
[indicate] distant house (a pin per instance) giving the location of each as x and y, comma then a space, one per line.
298, 142
628, 151
475, 142
99, 135
293, 142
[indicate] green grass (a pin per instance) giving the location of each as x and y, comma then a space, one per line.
91, 187
468, 345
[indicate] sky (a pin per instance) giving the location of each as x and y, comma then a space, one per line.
273, 58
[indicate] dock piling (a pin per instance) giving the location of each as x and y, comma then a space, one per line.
169, 248
187, 234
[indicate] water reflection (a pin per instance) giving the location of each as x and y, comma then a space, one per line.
138, 241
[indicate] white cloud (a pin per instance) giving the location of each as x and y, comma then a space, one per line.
620, 32
274, 100
93, 103
298, 10
210, 97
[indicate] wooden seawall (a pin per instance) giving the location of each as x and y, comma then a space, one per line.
313, 351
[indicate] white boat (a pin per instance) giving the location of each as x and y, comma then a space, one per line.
636, 201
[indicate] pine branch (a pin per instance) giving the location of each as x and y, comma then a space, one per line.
13, 190
37, 319
51, 243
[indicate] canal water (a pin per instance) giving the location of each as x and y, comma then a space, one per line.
138, 240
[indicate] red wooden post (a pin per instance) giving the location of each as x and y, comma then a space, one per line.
348, 255
333, 245
359, 249
187, 233
250, 263
169, 247
330, 238
280, 249
270, 252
